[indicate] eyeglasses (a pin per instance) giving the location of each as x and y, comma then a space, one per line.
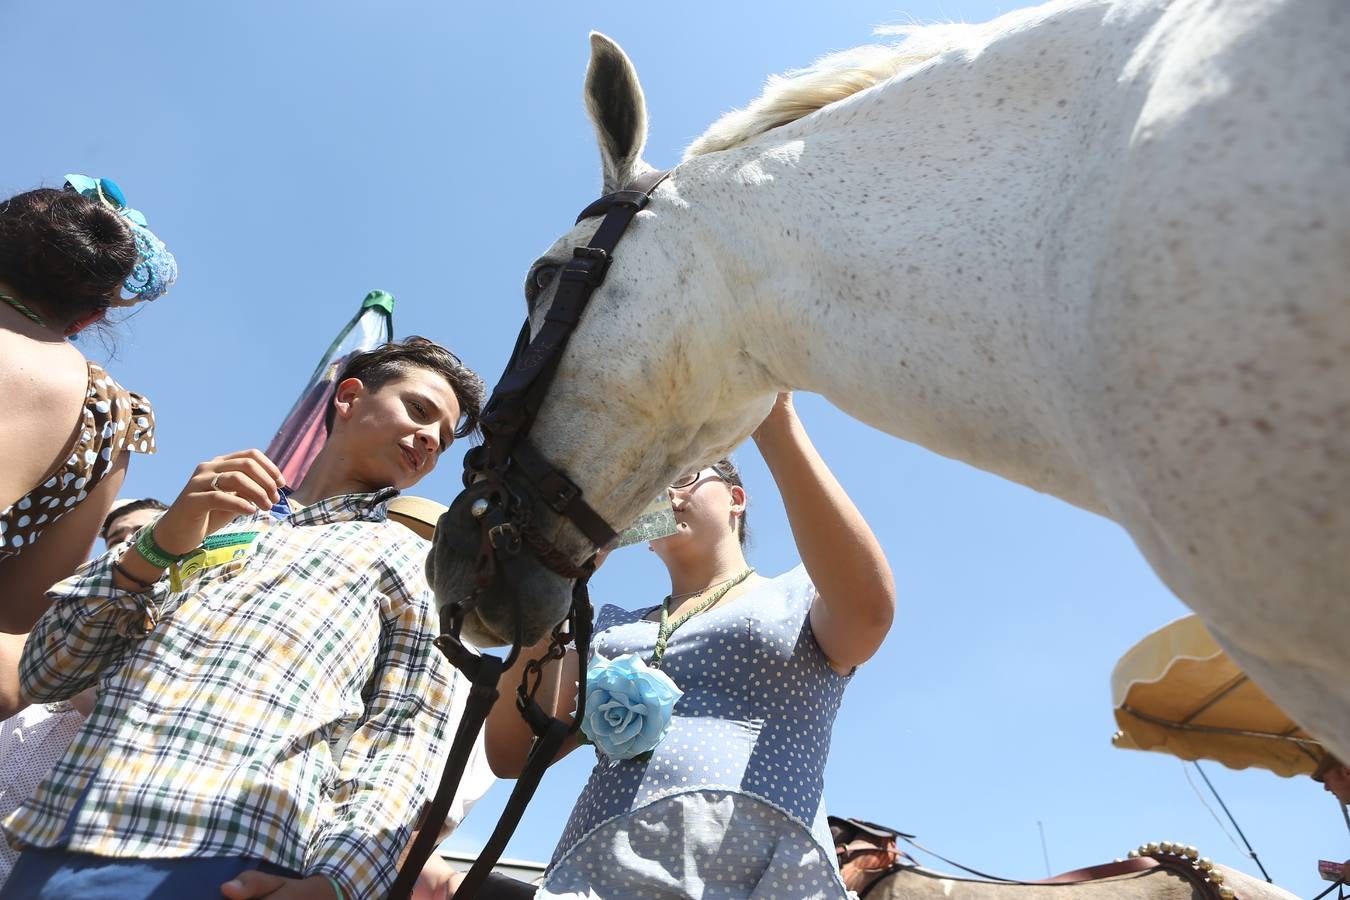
688, 481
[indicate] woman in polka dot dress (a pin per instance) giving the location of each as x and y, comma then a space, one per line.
729, 804
69, 428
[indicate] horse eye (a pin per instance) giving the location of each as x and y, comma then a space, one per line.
543, 276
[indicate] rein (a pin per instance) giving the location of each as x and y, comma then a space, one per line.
508, 526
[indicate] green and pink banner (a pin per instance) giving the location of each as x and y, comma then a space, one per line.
302, 435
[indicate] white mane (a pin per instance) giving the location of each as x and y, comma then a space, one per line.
792, 95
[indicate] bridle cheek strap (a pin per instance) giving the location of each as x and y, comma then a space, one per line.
507, 527
518, 397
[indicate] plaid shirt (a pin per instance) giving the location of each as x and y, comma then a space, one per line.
287, 705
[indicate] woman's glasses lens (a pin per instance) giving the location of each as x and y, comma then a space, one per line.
685, 481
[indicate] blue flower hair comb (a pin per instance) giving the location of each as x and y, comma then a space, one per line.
156, 269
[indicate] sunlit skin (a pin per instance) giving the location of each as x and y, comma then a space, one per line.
124, 526
390, 436
44, 381
705, 548
1336, 782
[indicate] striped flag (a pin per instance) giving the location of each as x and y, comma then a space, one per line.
302, 435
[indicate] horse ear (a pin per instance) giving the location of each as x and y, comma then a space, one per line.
618, 111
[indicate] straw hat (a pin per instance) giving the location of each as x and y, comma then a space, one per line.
417, 513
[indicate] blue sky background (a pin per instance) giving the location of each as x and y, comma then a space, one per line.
296, 155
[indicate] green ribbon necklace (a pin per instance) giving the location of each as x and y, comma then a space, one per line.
24, 310
669, 627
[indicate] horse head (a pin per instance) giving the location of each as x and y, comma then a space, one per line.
644, 389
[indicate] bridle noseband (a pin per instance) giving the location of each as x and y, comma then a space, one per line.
507, 527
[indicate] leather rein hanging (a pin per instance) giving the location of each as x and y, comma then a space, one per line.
507, 527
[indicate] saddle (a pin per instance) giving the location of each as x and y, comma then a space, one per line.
866, 851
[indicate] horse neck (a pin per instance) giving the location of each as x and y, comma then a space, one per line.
925, 287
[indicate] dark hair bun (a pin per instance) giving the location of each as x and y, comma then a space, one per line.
63, 251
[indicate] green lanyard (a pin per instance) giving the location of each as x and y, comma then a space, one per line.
24, 309
668, 627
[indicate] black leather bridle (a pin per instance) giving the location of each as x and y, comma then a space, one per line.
507, 526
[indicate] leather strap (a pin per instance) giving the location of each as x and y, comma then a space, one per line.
505, 526
550, 735
484, 672
532, 365
560, 494
1105, 870
541, 756
1176, 865
519, 395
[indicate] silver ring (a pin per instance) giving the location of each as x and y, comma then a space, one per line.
215, 482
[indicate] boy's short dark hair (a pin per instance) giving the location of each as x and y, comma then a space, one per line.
127, 509
378, 367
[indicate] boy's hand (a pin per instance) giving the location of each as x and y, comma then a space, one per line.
237, 483
252, 883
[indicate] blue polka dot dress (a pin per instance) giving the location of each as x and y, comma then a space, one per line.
730, 804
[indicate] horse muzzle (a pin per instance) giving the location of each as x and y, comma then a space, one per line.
489, 582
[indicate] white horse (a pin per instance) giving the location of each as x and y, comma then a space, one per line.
1098, 247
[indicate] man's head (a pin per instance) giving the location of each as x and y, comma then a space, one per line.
1335, 777
398, 407
126, 518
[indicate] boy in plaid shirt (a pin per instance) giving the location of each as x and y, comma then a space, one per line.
270, 704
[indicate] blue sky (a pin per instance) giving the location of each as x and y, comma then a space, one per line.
296, 155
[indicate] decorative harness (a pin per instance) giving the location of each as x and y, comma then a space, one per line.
507, 525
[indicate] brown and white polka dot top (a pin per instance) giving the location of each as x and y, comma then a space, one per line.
113, 420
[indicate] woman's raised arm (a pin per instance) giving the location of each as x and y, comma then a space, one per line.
856, 590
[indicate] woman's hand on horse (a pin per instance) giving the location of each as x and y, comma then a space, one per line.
237, 484
782, 414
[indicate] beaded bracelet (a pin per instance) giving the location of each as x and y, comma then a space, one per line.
140, 585
152, 552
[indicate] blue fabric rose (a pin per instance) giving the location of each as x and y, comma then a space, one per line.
628, 705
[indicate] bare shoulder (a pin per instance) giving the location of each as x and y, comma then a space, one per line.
42, 390
39, 368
